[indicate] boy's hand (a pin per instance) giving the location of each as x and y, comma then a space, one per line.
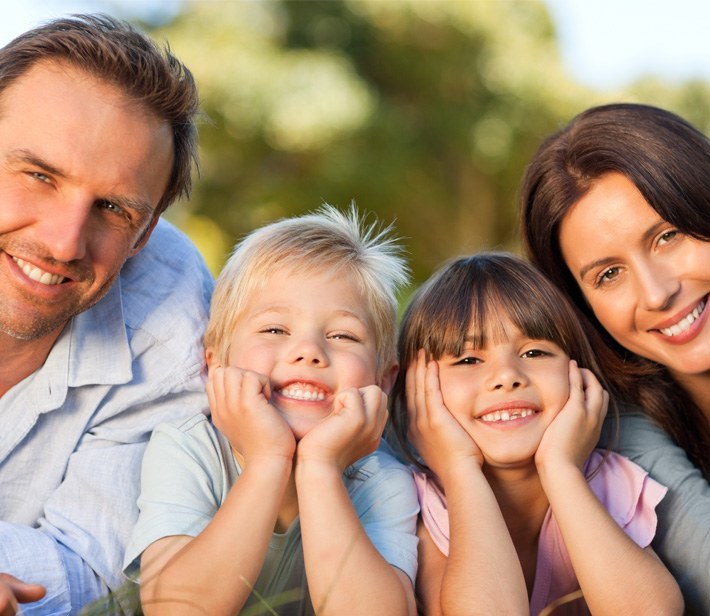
436, 434
351, 431
239, 400
572, 435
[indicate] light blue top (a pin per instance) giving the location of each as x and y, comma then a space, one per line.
189, 469
72, 434
682, 538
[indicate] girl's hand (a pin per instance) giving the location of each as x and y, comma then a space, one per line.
572, 435
352, 430
436, 434
239, 401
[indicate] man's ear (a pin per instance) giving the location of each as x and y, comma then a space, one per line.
388, 378
145, 236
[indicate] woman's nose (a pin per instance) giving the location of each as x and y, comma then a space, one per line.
658, 285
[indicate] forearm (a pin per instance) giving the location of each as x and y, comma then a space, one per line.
615, 575
346, 574
682, 538
480, 543
35, 557
217, 569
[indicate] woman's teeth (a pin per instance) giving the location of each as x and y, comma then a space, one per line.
685, 323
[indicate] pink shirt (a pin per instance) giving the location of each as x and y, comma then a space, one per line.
625, 489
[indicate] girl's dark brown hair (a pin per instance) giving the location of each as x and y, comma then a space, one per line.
668, 160
474, 294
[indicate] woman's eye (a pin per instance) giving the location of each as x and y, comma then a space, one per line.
607, 275
667, 236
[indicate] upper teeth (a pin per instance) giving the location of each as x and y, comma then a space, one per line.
300, 391
685, 322
37, 274
507, 415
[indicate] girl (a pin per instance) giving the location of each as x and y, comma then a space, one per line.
499, 400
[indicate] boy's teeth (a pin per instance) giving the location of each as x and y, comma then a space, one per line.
685, 322
303, 392
38, 275
507, 415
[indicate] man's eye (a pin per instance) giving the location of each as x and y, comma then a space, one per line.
41, 177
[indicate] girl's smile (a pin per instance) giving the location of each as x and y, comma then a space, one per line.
506, 393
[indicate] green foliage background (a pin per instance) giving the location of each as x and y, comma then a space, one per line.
422, 111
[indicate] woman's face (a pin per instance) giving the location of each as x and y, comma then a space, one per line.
646, 282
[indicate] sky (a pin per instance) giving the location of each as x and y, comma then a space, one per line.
605, 44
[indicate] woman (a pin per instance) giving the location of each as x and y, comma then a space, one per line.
616, 210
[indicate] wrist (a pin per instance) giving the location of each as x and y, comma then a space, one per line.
316, 470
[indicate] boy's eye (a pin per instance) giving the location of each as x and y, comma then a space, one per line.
273, 330
343, 336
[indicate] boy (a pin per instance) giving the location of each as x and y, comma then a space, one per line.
301, 350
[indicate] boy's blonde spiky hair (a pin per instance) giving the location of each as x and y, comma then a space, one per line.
324, 239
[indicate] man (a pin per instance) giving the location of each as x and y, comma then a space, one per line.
102, 307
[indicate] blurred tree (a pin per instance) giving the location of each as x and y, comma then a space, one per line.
422, 111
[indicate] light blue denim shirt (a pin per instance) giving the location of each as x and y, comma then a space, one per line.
72, 434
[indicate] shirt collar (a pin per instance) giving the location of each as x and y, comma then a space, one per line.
99, 352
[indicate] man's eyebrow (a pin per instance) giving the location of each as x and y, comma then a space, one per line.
25, 156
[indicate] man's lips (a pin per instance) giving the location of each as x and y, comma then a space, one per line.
38, 275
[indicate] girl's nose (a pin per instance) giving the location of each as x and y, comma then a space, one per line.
507, 376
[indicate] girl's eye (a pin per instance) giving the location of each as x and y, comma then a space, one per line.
535, 353
467, 361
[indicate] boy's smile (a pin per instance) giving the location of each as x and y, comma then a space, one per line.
310, 334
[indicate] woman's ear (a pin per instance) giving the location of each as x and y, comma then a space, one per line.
388, 378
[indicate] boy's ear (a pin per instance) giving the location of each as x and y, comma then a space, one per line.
211, 358
388, 378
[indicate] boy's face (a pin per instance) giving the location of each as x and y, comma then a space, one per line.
310, 334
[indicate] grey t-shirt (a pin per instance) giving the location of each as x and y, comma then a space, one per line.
187, 473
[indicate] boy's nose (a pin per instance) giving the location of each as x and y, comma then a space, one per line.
308, 351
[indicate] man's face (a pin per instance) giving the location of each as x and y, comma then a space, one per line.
82, 169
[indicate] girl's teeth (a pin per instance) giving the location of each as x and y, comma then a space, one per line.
685, 323
507, 415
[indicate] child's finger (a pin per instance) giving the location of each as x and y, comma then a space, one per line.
596, 397
432, 387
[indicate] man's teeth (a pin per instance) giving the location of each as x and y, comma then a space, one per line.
685, 322
301, 392
507, 415
37, 274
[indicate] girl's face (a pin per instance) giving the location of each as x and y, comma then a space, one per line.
646, 282
506, 394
